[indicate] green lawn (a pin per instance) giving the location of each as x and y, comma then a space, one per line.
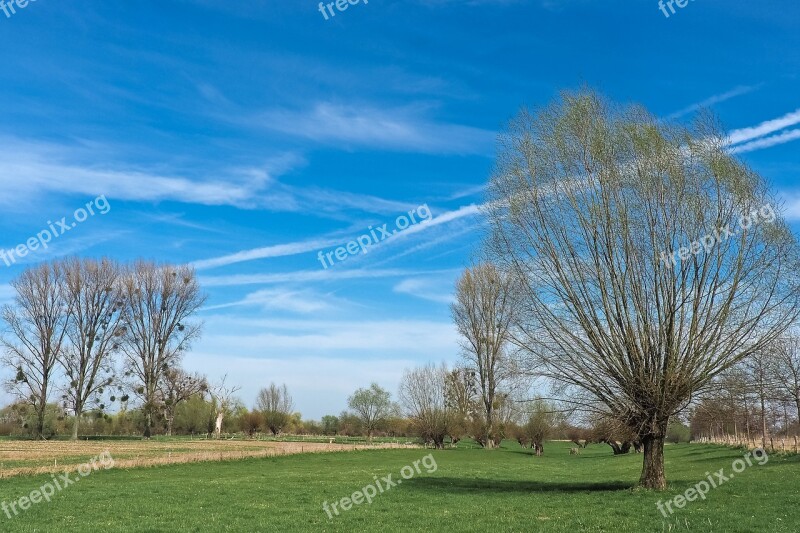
472, 490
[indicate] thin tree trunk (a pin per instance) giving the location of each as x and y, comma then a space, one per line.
40, 413
653, 467
218, 425
763, 422
76, 424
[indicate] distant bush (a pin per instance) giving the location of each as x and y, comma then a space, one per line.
678, 432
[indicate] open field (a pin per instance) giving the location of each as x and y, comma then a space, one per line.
471, 490
41, 457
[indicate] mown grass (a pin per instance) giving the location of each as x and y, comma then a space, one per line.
472, 490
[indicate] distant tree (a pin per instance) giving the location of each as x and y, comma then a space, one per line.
195, 415
350, 424
578, 435
787, 369
175, 387
606, 429
330, 425
372, 406
310, 427
760, 369
251, 422
423, 395
540, 424
37, 322
224, 403
160, 303
678, 432
276, 405
483, 314
92, 288
461, 396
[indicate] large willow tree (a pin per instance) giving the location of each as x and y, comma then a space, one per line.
588, 203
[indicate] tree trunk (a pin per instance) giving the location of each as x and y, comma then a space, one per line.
147, 423
40, 426
614, 446
76, 425
763, 422
653, 468
40, 412
218, 425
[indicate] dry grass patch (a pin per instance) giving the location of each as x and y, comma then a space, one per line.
43, 457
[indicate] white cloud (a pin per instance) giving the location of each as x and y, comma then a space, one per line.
397, 129
30, 170
312, 245
765, 128
437, 289
294, 301
767, 142
716, 99
266, 252
303, 276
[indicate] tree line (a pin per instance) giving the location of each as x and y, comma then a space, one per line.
74, 323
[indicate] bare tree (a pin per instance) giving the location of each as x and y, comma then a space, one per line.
461, 396
160, 299
37, 323
541, 420
588, 204
94, 330
224, 399
787, 361
373, 406
276, 406
760, 369
484, 313
175, 387
606, 429
423, 395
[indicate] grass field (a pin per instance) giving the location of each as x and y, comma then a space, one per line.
471, 490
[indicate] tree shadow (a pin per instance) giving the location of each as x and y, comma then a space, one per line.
451, 484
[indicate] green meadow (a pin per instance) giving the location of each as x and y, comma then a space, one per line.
470, 490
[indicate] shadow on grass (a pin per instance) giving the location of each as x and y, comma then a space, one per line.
500, 485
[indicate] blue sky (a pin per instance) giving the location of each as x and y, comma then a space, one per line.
247, 136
